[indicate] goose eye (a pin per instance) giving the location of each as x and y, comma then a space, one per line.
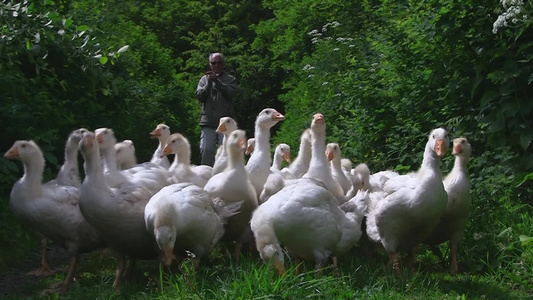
227, 121
463, 141
268, 112
23, 145
118, 151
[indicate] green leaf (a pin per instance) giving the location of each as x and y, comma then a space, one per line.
67, 22
103, 60
82, 28
488, 96
525, 139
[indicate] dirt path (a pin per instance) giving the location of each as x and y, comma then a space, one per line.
14, 280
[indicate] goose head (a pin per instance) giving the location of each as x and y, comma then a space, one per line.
318, 124
461, 147
269, 117
165, 236
105, 137
250, 146
161, 131
346, 164
284, 151
77, 134
125, 151
226, 125
175, 144
21, 150
88, 145
439, 141
236, 141
333, 151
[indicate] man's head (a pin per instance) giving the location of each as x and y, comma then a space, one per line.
216, 62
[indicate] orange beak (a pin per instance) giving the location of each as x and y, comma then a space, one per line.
221, 128
99, 139
12, 153
457, 149
155, 133
329, 155
277, 116
167, 256
249, 149
440, 148
241, 143
166, 151
287, 157
318, 118
87, 141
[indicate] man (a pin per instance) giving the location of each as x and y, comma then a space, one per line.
215, 91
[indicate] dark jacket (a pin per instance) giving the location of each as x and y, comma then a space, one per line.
216, 98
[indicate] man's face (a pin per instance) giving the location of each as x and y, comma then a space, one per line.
216, 64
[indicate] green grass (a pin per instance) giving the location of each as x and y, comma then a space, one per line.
362, 277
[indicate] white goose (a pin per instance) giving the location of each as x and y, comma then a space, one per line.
457, 185
282, 152
118, 213
148, 175
319, 166
161, 133
232, 186
125, 155
300, 164
179, 145
52, 209
306, 219
226, 126
182, 217
258, 166
333, 154
403, 219
69, 174
250, 146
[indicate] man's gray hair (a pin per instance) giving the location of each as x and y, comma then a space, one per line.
212, 55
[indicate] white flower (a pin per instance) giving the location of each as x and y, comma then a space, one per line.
336, 49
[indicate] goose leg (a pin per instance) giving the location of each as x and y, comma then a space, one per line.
62, 287
44, 270
335, 267
453, 256
278, 266
237, 253
410, 260
121, 263
298, 263
394, 259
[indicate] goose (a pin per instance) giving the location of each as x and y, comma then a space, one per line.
333, 154
161, 133
118, 213
69, 174
346, 164
125, 155
148, 175
276, 180
250, 146
403, 219
182, 217
232, 185
179, 145
361, 177
457, 185
319, 166
226, 126
378, 180
300, 164
258, 166
51, 209
282, 152
307, 220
